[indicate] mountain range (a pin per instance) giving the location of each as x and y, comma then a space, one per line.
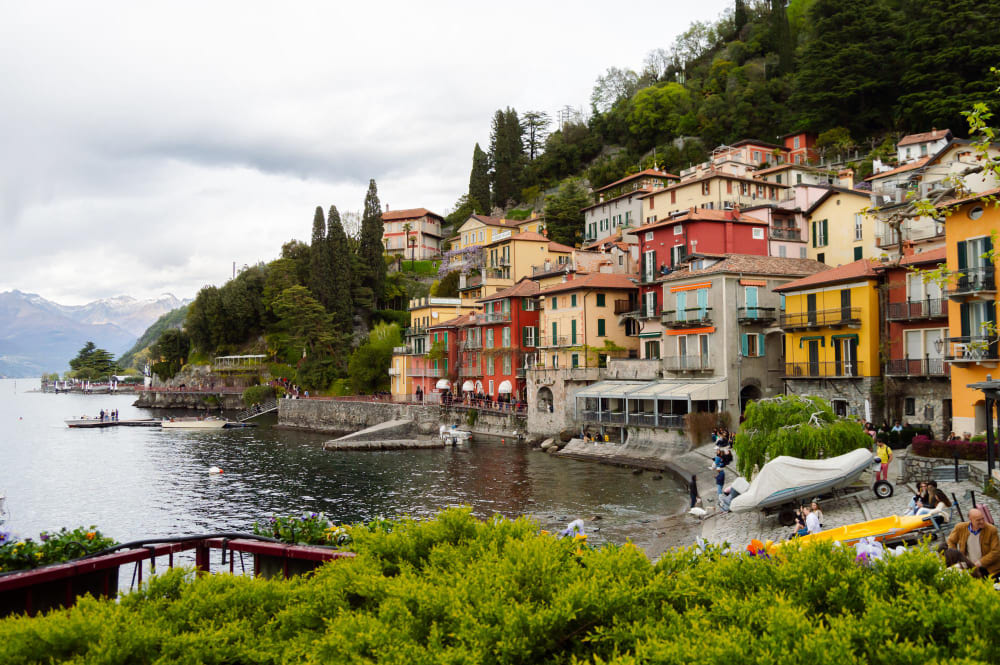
38, 335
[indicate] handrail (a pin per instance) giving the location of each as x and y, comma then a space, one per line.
820, 317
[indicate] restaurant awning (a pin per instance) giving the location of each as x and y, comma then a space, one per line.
658, 390
443, 384
611, 389
504, 388
468, 386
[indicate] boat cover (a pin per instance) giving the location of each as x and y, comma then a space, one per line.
786, 479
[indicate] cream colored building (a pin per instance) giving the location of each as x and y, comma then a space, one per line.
408, 360
715, 191
839, 230
508, 259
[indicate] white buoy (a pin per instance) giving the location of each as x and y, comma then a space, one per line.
214, 469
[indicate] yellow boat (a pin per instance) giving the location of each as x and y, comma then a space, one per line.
884, 528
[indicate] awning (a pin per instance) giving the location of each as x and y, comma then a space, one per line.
504, 388
681, 391
468, 386
611, 389
443, 384
658, 333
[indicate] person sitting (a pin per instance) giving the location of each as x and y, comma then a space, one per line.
812, 520
815, 510
917, 502
978, 542
801, 529
936, 504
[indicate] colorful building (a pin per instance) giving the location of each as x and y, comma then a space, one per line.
410, 365
839, 230
831, 322
510, 258
646, 180
413, 234
799, 147
971, 348
712, 191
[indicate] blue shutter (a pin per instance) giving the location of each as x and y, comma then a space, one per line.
702, 302
760, 344
681, 305
744, 344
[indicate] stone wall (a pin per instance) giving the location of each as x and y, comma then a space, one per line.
209, 401
852, 391
916, 469
550, 416
928, 394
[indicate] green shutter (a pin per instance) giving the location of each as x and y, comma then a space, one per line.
962, 260
760, 344
987, 247
572, 300
572, 331
554, 333
744, 344
826, 232
555, 302
964, 314
600, 300
600, 328
814, 233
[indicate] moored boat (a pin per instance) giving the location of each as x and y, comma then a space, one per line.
194, 423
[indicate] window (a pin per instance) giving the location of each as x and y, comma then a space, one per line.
506, 337
649, 236
858, 229
910, 403
752, 345
678, 229
676, 255
572, 300
706, 188
600, 328
802, 252
506, 363
480, 236
491, 387
782, 251
650, 303
858, 252
600, 298
758, 233
819, 231
798, 176
489, 338
489, 369
923, 153
795, 142
555, 361
673, 196
574, 360
756, 155
652, 349
777, 178
648, 266
529, 336
555, 302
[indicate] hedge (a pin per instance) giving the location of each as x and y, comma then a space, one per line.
459, 590
927, 447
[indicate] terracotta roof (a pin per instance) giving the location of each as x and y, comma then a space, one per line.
899, 169
525, 287
452, 323
492, 221
751, 264
559, 247
924, 137
781, 167
971, 197
930, 256
411, 213
743, 142
849, 272
702, 215
635, 176
592, 280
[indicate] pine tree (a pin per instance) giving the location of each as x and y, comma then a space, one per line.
506, 157
781, 35
320, 274
740, 17
370, 250
342, 305
479, 181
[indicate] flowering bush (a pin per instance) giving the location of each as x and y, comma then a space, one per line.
928, 447
58, 547
307, 529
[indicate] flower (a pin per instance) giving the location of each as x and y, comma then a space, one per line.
91, 535
38, 555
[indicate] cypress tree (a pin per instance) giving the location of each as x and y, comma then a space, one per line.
370, 249
506, 156
320, 276
342, 306
479, 181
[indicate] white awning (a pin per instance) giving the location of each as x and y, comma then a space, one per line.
468, 386
504, 388
443, 384
658, 390
611, 389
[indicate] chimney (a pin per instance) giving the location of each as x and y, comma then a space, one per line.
846, 178
908, 248
387, 207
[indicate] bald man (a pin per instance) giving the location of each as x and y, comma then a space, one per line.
978, 542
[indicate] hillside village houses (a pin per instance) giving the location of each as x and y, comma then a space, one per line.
413, 234
750, 275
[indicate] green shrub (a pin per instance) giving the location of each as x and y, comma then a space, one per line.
471, 416
258, 395
457, 589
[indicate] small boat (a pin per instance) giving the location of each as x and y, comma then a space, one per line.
452, 436
194, 423
883, 528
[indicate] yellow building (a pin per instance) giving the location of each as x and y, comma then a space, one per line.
408, 361
533, 225
510, 258
839, 232
714, 191
481, 230
578, 326
971, 347
831, 322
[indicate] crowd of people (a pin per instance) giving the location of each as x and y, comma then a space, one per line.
109, 415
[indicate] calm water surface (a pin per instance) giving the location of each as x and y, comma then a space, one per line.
140, 482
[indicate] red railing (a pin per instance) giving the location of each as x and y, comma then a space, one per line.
219, 390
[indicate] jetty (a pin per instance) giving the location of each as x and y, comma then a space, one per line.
91, 423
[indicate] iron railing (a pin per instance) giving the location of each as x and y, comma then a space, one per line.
918, 309
756, 314
843, 369
971, 348
687, 363
683, 318
780, 233
840, 316
974, 280
917, 367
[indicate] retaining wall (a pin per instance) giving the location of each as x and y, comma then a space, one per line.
192, 400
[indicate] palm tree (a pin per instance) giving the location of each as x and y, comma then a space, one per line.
407, 227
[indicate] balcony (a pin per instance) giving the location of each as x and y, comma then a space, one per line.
394, 372
547, 342
971, 349
550, 266
688, 363
625, 306
927, 367
823, 370
692, 317
783, 233
832, 318
918, 309
469, 372
493, 317
646, 312
402, 351
472, 282
419, 372
751, 315
414, 331
470, 344
979, 282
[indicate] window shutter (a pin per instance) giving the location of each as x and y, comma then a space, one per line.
826, 231
760, 344
524, 336
555, 333
814, 233
964, 314
744, 345
962, 260
600, 328
987, 247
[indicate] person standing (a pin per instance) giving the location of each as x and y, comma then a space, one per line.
693, 487
720, 480
884, 453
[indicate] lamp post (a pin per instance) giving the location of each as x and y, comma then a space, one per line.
991, 393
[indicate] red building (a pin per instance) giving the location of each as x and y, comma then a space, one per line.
918, 387
498, 341
441, 364
800, 147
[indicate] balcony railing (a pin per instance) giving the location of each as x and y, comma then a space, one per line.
472, 282
470, 371
749, 315
471, 344
842, 316
402, 351
625, 306
824, 370
918, 309
637, 419
981, 279
917, 367
781, 233
687, 363
418, 372
686, 318
971, 349
415, 330
545, 341
494, 317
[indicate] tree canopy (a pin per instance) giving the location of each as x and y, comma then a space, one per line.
92, 363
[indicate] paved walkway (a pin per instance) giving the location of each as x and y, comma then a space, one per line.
738, 529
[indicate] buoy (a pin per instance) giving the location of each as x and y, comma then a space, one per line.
502, 441
214, 469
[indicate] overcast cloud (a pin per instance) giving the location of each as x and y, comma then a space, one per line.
144, 150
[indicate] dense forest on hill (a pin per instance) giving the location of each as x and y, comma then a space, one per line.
860, 73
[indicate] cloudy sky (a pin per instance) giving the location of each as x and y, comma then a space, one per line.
144, 149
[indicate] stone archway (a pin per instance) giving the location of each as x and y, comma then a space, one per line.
545, 403
749, 393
